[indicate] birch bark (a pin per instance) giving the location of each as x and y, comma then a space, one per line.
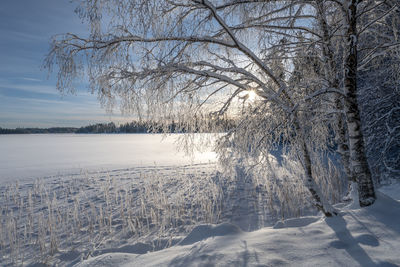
358, 158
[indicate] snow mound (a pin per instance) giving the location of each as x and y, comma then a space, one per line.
296, 222
205, 231
353, 196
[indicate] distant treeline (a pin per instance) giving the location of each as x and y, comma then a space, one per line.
130, 127
38, 130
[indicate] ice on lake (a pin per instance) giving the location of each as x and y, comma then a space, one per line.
25, 157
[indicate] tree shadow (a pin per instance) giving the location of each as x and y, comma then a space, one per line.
201, 255
347, 242
198, 252
245, 256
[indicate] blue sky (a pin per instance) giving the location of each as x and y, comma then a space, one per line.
28, 97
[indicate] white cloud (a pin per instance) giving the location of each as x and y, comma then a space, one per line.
32, 88
31, 79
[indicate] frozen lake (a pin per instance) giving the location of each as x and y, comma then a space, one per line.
25, 157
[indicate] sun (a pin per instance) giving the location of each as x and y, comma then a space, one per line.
252, 96
248, 96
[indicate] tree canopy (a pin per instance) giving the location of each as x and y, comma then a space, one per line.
288, 71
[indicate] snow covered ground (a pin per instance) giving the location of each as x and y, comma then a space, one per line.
65, 219
64, 197
121, 209
357, 237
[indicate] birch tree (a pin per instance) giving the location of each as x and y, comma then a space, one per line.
339, 22
182, 60
363, 29
348, 28
356, 142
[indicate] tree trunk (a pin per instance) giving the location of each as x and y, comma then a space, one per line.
358, 159
343, 145
332, 78
319, 201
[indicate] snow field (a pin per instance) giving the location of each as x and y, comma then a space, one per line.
61, 219
188, 215
66, 219
26, 157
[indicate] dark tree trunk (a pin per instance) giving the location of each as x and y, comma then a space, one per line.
358, 158
343, 145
